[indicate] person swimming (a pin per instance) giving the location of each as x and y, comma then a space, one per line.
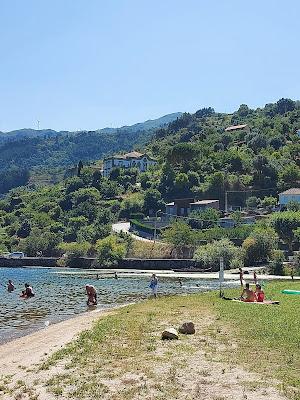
28, 292
10, 286
249, 294
91, 294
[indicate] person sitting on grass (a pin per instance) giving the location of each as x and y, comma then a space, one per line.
249, 294
260, 294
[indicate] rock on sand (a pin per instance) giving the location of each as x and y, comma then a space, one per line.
187, 328
169, 333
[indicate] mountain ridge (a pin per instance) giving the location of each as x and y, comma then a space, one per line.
145, 125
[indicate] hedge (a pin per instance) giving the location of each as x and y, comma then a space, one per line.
139, 226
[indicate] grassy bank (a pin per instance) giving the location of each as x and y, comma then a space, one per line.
239, 351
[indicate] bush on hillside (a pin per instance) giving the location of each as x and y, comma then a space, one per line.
210, 254
110, 250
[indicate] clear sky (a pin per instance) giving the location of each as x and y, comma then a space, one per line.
87, 64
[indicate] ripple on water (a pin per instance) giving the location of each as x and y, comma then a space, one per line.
61, 296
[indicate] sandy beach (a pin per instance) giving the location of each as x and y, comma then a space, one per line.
29, 350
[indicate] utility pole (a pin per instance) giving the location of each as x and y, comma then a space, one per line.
155, 226
226, 201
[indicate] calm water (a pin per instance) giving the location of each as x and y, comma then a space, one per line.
60, 294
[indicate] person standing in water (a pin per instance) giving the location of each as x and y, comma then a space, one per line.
116, 276
255, 277
28, 292
10, 286
91, 294
154, 285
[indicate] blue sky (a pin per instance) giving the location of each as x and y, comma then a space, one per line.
87, 64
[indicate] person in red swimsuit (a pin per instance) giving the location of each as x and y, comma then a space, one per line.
260, 294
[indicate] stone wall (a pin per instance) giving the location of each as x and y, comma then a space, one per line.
29, 262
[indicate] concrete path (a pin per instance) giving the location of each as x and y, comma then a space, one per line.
125, 227
228, 276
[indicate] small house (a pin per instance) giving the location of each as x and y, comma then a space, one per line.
183, 207
285, 197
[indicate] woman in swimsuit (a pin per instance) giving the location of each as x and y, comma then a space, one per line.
259, 293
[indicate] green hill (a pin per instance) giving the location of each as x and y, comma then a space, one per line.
46, 151
202, 158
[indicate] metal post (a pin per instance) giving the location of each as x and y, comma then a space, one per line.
226, 202
221, 275
155, 225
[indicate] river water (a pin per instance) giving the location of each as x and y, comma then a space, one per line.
60, 294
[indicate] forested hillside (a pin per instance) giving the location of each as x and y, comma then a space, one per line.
26, 150
201, 159
197, 158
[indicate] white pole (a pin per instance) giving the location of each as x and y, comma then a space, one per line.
221, 273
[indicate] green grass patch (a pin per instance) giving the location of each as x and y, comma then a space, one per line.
126, 346
268, 336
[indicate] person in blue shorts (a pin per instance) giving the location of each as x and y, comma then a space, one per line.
154, 285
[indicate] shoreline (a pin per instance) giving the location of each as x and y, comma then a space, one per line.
25, 351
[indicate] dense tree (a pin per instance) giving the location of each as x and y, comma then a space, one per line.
152, 201
260, 245
24, 229
285, 105
79, 168
180, 235
285, 223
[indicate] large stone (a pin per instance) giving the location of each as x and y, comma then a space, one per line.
187, 328
169, 333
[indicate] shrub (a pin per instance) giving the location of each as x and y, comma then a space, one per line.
276, 265
252, 202
74, 251
110, 250
211, 253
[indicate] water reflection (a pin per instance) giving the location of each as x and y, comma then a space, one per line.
61, 296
